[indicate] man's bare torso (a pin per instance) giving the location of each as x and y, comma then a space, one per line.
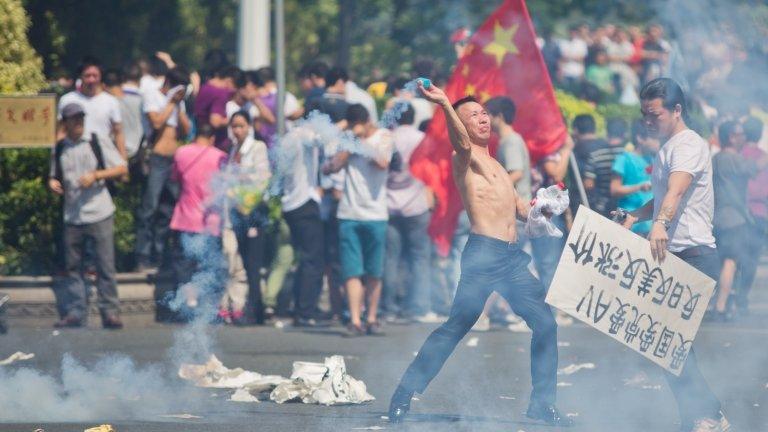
488, 195
166, 142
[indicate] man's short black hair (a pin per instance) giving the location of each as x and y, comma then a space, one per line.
616, 128
399, 84
112, 78
724, 132
335, 74
584, 124
357, 114
462, 101
639, 130
253, 77
157, 67
753, 129
132, 72
669, 91
232, 72
266, 74
407, 115
242, 113
89, 61
177, 76
502, 105
205, 130
317, 69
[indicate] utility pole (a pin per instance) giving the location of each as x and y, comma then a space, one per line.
253, 39
280, 69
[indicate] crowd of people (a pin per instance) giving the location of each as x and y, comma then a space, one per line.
353, 223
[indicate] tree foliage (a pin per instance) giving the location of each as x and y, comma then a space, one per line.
20, 67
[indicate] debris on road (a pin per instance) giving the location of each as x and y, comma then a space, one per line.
181, 416
370, 428
519, 327
102, 428
564, 384
473, 341
573, 368
215, 375
322, 383
243, 395
507, 397
640, 380
16, 357
563, 344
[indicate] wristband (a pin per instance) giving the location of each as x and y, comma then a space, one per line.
664, 222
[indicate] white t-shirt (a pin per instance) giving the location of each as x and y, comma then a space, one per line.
355, 95
692, 225
101, 111
300, 179
574, 51
148, 83
365, 184
232, 107
155, 101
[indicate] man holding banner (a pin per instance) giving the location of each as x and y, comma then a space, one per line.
681, 211
492, 261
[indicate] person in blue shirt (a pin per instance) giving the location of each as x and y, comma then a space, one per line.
631, 181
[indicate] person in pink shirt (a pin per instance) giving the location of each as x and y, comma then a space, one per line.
757, 203
197, 259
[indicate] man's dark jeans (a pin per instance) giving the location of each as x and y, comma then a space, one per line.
307, 240
488, 265
72, 296
407, 238
154, 215
694, 398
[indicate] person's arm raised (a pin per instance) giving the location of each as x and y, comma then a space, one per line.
456, 130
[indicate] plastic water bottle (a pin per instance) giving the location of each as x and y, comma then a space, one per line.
554, 191
425, 82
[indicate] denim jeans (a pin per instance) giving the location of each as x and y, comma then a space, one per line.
154, 215
72, 297
546, 252
694, 398
407, 238
488, 265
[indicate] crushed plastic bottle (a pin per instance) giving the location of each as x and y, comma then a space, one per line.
552, 201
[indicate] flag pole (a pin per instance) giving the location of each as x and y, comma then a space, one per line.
579, 183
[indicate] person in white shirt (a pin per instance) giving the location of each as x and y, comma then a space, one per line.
102, 110
573, 52
682, 210
167, 116
363, 217
247, 174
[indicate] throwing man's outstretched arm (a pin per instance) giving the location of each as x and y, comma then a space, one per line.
456, 130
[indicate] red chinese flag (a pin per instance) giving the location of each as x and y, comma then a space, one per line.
502, 59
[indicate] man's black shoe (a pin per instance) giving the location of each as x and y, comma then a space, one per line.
547, 413
309, 323
399, 405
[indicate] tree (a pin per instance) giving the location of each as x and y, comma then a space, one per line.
20, 66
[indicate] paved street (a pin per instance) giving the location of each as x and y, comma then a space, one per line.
484, 387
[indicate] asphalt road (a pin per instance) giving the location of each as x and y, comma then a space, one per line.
481, 388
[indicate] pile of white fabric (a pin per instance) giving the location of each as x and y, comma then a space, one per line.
311, 383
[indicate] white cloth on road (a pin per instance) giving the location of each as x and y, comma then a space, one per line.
322, 383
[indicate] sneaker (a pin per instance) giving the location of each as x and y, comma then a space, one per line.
511, 318
519, 327
430, 318
374, 329
69, 321
549, 414
269, 313
563, 320
483, 324
112, 322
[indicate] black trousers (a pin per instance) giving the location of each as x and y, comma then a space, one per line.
250, 245
488, 265
307, 241
694, 398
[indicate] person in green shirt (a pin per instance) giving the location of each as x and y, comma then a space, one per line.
600, 74
631, 181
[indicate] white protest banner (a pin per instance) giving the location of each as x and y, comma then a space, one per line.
608, 279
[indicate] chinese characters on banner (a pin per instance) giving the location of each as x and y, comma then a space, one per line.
27, 121
607, 278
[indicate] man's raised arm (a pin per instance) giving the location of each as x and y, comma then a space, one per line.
456, 130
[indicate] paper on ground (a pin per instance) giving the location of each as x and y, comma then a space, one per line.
573, 368
472, 342
15, 357
243, 395
215, 375
322, 383
181, 416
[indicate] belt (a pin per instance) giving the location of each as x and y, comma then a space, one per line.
695, 252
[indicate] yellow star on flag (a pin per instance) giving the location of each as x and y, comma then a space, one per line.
503, 42
470, 90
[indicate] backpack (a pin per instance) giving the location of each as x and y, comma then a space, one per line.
58, 173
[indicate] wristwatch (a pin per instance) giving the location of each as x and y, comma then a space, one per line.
664, 222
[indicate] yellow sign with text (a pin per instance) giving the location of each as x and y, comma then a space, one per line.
27, 121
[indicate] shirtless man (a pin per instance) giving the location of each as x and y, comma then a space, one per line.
492, 261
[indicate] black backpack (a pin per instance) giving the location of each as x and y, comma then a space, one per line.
100, 165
